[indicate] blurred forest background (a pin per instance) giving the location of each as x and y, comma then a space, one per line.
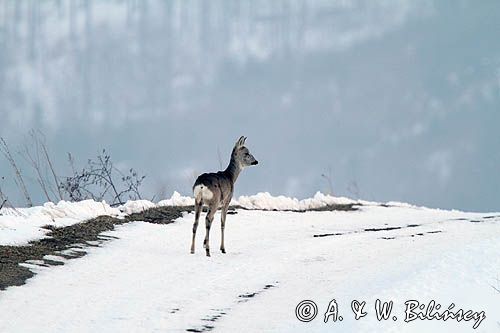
381, 100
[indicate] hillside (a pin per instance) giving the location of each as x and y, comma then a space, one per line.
140, 276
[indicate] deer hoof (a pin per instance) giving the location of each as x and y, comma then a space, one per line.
208, 253
223, 250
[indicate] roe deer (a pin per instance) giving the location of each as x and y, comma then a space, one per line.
216, 191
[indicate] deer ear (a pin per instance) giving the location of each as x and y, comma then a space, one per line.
240, 142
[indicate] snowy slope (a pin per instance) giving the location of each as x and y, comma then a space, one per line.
146, 281
19, 226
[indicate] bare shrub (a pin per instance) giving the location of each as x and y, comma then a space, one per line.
4, 148
31, 153
101, 180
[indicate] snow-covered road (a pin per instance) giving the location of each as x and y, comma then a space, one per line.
146, 281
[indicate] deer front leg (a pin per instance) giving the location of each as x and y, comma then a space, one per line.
208, 224
222, 226
197, 212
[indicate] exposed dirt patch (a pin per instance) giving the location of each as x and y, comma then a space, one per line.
160, 215
382, 229
70, 242
491, 217
219, 313
246, 296
210, 319
63, 241
368, 230
413, 235
481, 219
327, 208
330, 234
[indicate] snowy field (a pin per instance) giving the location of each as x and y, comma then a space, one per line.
146, 280
18, 226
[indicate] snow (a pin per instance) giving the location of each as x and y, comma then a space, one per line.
266, 201
177, 200
136, 206
19, 226
259, 201
147, 281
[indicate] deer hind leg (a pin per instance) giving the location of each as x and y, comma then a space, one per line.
222, 226
197, 212
208, 224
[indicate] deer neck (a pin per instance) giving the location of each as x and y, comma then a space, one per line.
233, 169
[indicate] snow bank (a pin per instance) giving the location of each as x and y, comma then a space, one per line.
177, 200
19, 226
266, 201
136, 206
86, 209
